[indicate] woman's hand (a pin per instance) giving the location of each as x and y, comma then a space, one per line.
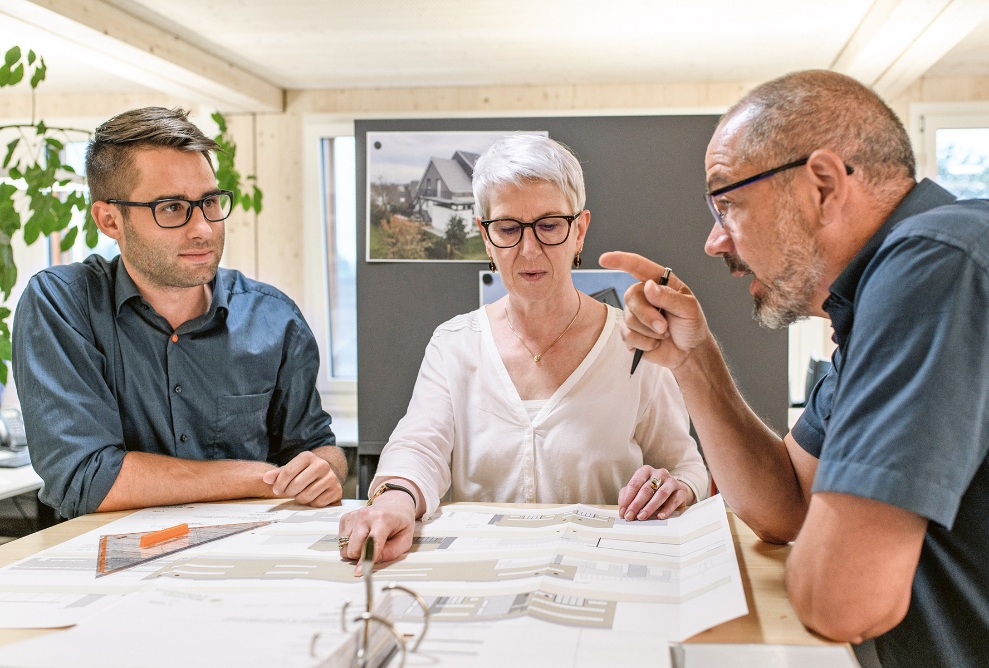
390, 521
652, 493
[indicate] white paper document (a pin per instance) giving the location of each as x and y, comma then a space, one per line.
574, 582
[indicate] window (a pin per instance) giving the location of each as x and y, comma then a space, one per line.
962, 156
952, 145
330, 220
340, 215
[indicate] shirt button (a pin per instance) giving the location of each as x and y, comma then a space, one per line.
178, 389
175, 338
184, 437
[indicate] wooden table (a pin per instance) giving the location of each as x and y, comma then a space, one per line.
771, 618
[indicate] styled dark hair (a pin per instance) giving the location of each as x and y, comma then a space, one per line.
110, 155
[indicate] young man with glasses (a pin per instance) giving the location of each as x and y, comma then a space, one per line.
883, 483
156, 378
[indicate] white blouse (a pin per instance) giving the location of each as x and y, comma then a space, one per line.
468, 433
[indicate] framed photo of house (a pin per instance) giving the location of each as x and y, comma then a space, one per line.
420, 203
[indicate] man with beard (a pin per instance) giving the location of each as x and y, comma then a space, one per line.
883, 483
156, 378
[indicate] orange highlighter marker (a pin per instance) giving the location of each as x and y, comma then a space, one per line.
155, 537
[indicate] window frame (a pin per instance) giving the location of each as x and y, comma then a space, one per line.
339, 396
926, 118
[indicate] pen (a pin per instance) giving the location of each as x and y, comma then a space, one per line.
637, 357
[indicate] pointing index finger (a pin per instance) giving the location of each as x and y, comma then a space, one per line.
631, 263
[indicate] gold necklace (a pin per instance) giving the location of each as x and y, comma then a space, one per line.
535, 357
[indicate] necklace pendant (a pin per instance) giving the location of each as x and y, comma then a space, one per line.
536, 358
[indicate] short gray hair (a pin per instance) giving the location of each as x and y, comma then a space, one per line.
521, 159
800, 112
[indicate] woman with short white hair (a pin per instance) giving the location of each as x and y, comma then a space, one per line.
529, 399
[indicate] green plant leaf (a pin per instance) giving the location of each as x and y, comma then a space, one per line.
92, 231
69, 239
12, 56
39, 73
218, 118
4, 76
42, 128
31, 56
11, 147
16, 74
8, 270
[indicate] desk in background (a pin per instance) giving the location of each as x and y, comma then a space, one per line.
18, 481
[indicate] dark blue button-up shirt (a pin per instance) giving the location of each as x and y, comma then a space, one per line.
903, 416
100, 372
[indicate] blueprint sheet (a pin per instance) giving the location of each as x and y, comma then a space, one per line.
574, 583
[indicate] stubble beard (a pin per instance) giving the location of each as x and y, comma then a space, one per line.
156, 262
788, 296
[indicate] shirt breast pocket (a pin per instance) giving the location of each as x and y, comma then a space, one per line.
241, 430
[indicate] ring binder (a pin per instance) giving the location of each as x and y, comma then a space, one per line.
376, 648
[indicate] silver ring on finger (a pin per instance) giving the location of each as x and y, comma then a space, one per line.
654, 484
342, 541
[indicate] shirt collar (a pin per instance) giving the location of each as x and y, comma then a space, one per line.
922, 197
126, 290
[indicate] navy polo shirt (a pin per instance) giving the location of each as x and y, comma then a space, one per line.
903, 416
100, 372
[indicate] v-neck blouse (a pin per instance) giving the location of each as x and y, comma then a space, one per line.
467, 435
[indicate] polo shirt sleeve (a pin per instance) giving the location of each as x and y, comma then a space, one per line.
70, 413
811, 426
909, 423
299, 422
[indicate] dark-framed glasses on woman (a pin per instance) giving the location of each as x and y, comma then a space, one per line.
549, 230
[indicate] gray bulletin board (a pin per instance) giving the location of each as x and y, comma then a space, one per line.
645, 185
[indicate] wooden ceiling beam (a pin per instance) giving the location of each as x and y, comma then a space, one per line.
899, 40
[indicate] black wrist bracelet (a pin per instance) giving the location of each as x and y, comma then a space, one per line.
390, 486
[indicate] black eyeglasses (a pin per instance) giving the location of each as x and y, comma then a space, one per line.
719, 215
175, 212
549, 230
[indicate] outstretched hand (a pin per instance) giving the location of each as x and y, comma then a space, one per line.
666, 322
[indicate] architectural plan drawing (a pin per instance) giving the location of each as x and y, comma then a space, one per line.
577, 573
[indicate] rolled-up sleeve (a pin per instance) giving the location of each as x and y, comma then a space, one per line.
70, 413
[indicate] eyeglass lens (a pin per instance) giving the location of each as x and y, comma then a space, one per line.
177, 212
550, 231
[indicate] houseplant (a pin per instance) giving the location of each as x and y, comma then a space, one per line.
42, 196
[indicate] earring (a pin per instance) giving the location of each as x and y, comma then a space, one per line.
491, 264
576, 260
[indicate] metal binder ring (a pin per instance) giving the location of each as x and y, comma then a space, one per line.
422, 604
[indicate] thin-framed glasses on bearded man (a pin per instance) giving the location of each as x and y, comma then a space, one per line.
719, 209
549, 230
171, 212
